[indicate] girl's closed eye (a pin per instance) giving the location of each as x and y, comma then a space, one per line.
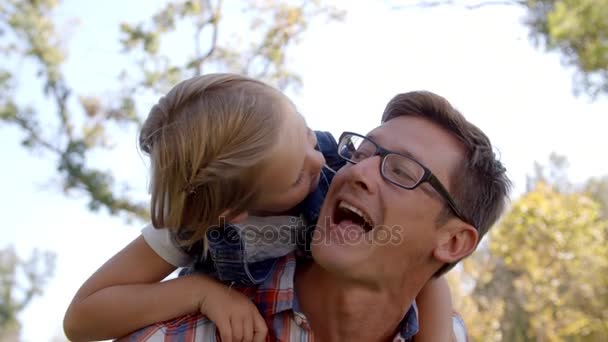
299, 180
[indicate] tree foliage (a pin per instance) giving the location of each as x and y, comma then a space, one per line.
543, 275
557, 246
28, 33
20, 281
597, 188
576, 29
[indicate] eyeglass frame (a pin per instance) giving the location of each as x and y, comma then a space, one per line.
428, 176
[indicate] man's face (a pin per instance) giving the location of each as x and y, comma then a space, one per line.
402, 231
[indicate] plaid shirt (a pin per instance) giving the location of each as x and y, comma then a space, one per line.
276, 300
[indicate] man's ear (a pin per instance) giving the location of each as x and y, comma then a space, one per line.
235, 219
455, 242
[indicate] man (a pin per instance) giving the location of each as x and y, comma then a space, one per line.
416, 196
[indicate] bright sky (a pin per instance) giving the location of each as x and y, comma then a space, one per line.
480, 60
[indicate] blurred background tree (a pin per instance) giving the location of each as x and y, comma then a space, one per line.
543, 274
20, 281
576, 29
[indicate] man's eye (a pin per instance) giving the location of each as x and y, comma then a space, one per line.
403, 173
399, 172
360, 155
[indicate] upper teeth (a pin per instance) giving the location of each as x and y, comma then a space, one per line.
347, 206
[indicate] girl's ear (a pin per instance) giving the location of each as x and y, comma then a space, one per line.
237, 218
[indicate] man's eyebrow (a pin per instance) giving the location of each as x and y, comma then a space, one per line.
400, 151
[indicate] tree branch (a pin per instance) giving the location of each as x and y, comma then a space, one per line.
61, 94
213, 21
33, 134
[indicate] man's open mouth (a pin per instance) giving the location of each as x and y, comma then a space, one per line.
345, 211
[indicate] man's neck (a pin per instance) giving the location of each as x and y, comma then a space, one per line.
340, 310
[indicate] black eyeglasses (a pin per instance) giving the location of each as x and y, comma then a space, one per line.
401, 170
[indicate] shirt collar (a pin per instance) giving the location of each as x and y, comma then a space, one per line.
276, 294
409, 324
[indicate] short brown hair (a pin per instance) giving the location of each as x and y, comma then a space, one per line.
207, 140
480, 185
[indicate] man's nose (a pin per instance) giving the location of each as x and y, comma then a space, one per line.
366, 174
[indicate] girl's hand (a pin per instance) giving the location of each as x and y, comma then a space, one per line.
234, 315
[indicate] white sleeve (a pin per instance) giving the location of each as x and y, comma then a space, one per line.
161, 242
460, 330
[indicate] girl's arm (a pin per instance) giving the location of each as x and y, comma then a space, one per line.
435, 312
126, 294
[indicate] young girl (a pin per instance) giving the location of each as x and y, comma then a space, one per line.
229, 156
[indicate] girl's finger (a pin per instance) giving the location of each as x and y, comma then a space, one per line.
260, 328
237, 329
248, 328
225, 330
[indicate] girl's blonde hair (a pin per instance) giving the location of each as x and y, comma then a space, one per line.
207, 140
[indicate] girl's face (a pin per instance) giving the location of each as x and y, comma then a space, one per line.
293, 169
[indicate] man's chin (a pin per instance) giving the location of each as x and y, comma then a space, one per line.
339, 258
